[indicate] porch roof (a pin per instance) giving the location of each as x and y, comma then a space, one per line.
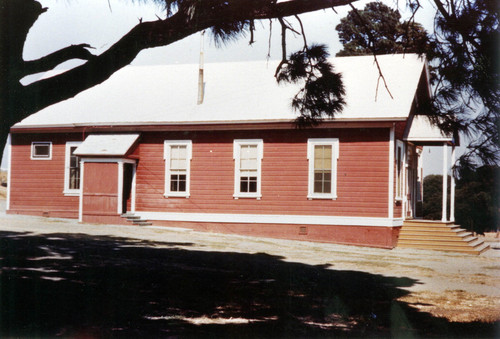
99, 145
422, 131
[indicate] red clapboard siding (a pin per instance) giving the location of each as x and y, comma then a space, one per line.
37, 185
362, 174
362, 179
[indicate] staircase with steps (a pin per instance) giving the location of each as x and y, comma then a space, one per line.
441, 236
136, 220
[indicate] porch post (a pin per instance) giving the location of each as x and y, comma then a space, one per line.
452, 186
391, 172
80, 203
445, 182
120, 187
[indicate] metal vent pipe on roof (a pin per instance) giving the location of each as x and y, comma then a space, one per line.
201, 83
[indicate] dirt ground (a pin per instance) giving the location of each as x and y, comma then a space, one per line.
344, 290
3, 189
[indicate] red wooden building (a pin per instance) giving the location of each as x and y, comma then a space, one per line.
141, 144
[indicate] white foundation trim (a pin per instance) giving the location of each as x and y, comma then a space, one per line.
271, 219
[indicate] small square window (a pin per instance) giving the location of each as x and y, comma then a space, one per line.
41, 150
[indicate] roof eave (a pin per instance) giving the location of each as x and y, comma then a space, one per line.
229, 124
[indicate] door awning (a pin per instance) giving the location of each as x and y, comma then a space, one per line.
106, 145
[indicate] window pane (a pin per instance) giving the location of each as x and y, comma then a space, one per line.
322, 157
178, 183
74, 178
174, 183
248, 157
41, 150
248, 151
175, 152
248, 163
252, 185
74, 170
176, 164
244, 185
178, 155
322, 181
182, 183
248, 184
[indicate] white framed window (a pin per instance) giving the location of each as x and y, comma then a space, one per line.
247, 155
41, 150
400, 168
322, 155
178, 154
71, 169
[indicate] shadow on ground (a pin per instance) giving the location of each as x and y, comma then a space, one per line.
83, 286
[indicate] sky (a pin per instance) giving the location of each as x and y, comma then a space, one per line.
100, 23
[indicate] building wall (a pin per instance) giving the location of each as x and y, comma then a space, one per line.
362, 179
362, 182
37, 185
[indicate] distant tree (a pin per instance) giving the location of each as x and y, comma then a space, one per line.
466, 50
464, 55
432, 206
478, 199
378, 29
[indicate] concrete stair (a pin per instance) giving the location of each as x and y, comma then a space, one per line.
440, 236
136, 220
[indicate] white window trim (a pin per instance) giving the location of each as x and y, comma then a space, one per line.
401, 192
311, 143
33, 150
236, 156
189, 150
67, 154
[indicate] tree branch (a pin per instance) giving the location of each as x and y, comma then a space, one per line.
50, 61
154, 34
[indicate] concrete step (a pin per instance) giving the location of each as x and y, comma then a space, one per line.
433, 228
454, 250
136, 220
416, 222
143, 223
430, 234
433, 238
130, 216
441, 236
477, 249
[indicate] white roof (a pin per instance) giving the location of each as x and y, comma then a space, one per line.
234, 92
422, 130
106, 144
